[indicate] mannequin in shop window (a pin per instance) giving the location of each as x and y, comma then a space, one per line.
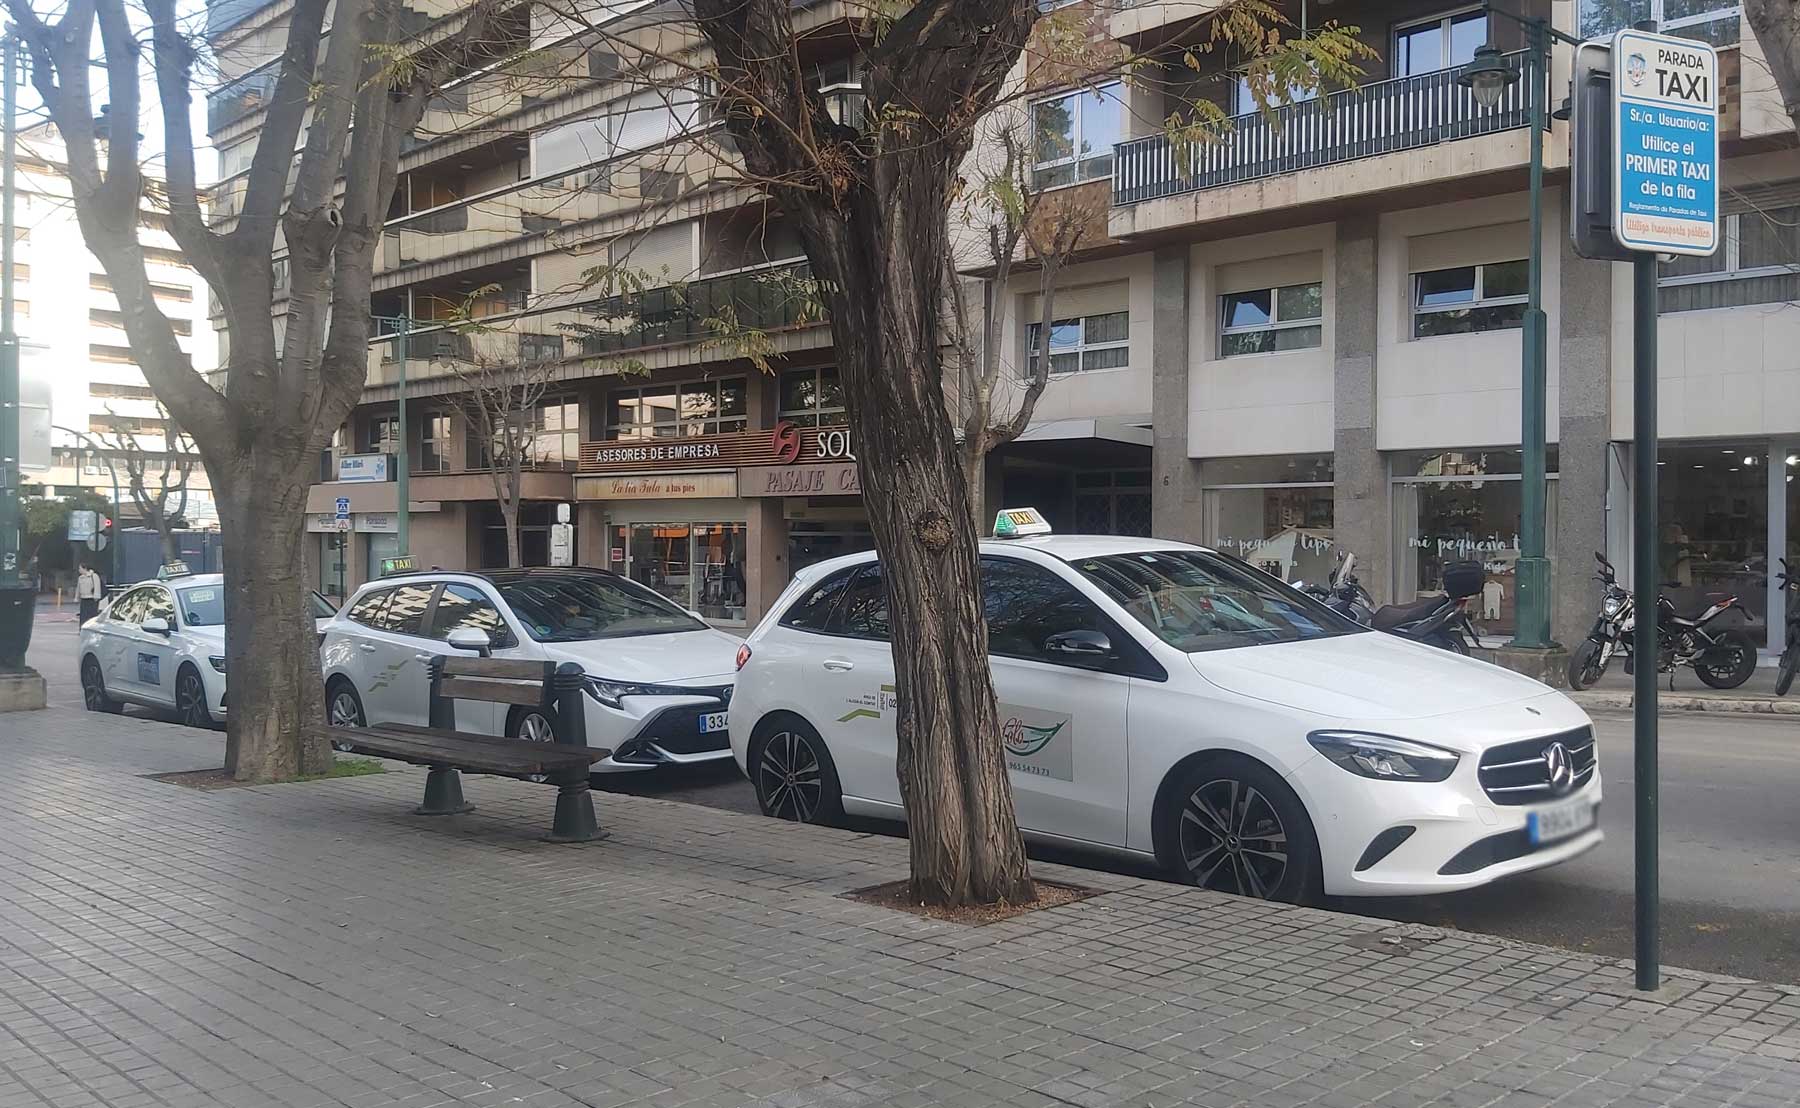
1677, 557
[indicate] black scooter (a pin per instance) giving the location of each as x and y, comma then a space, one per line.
1440, 621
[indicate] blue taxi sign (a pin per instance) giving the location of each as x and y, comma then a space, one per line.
1665, 93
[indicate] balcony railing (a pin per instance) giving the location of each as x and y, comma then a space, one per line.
759, 300
1382, 117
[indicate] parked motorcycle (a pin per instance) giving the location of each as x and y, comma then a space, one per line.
1440, 621
1790, 656
1722, 657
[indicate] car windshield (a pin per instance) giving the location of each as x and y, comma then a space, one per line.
571, 609
1197, 601
202, 606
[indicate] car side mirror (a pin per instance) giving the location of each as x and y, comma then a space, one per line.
472, 639
156, 625
1082, 645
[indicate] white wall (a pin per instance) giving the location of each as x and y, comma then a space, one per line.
1721, 372
1116, 393
1278, 403
1456, 390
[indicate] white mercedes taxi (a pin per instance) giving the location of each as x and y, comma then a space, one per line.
1167, 701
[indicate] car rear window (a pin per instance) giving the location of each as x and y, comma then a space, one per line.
813, 610
405, 613
367, 611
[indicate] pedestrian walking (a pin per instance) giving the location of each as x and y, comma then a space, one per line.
88, 590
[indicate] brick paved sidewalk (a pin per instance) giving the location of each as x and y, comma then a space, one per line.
315, 944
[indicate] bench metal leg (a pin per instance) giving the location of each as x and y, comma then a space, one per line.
575, 821
443, 794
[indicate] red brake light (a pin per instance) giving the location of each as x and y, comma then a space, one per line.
743, 654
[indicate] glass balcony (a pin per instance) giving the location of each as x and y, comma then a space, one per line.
1382, 117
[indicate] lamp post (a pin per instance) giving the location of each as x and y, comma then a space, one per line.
1487, 78
402, 462
18, 602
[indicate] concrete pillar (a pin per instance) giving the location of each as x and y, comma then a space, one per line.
1584, 368
1175, 511
1361, 523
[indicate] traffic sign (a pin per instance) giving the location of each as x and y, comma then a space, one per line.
1665, 94
83, 525
562, 544
96, 541
343, 507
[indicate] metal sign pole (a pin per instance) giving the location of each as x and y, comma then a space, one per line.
1646, 585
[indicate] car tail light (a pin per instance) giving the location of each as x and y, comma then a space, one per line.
743, 654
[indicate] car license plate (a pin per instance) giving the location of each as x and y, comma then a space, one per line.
714, 721
1548, 825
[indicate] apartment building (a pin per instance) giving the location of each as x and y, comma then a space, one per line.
1321, 311
68, 320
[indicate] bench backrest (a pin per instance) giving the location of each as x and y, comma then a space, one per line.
557, 690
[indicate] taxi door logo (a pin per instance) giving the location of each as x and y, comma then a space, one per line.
1039, 743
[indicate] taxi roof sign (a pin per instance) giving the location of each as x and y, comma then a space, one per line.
403, 564
173, 569
1017, 523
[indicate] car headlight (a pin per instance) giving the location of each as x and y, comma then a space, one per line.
611, 693
1384, 757
218, 662
1611, 605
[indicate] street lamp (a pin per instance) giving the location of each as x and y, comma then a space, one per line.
1487, 78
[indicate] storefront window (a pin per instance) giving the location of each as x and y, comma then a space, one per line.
700, 566
1275, 513
814, 541
673, 411
1712, 510
379, 547
812, 397
535, 519
1462, 506
333, 565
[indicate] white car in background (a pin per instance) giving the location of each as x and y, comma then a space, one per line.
658, 677
1172, 703
162, 644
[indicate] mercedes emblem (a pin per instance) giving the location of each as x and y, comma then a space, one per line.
1560, 769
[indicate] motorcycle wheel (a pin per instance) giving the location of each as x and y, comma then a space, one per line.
1585, 666
1729, 664
1790, 661
1448, 640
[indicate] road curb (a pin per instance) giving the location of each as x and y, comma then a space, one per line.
1675, 702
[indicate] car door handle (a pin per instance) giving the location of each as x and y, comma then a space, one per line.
366, 648
422, 657
839, 665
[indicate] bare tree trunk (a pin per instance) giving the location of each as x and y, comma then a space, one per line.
170, 549
974, 466
952, 777
1777, 27
510, 512
274, 689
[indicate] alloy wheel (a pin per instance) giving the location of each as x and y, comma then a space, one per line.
789, 777
93, 687
1232, 839
343, 710
190, 700
535, 728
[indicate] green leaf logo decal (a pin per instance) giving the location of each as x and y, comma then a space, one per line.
1022, 740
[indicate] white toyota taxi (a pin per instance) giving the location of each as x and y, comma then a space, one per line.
658, 677
1166, 701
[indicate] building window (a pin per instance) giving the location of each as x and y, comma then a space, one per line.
382, 432
556, 436
1440, 42
1275, 513
1263, 321
1075, 133
1463, 506
434, 443
699, 566
672, 411
1758, 262
1714, 21
1112, 502
1082, 343
812, 397
1469, 298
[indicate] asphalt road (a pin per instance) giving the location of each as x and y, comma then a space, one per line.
1730, 842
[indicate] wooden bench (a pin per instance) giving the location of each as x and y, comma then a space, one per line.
447, 752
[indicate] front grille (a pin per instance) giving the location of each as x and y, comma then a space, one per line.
677, 730
1517, 773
